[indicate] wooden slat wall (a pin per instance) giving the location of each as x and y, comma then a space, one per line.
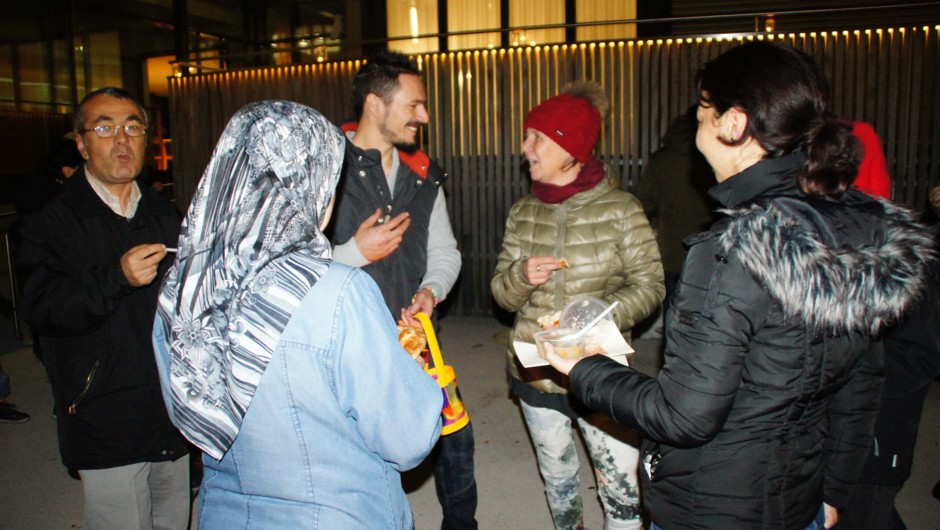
478, 99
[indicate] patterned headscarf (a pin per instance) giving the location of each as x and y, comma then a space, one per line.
249, 251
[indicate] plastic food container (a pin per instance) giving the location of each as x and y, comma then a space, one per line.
559, 338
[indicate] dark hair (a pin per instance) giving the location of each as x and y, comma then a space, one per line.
114, 92
379, 76
786, 99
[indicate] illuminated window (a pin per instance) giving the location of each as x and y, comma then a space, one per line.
62, 82
6, 78
103, 59
524, 13
34, 81
600, 10
410, 18
469, 16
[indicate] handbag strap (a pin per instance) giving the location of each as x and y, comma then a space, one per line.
436, 356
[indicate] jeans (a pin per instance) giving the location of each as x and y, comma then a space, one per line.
614, 452
454, 479
819, 523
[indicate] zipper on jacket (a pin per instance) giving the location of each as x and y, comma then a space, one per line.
561, 221
651, 459
73, 408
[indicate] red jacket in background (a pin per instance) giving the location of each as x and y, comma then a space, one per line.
873, 177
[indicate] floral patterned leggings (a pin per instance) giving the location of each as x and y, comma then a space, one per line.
615, 455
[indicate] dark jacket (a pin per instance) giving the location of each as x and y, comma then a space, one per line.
674, 190
912, 361
765, 405
95, 328
363, 189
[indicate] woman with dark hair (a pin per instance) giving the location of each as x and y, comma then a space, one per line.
764, 408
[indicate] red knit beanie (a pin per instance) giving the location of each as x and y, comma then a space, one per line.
572, 122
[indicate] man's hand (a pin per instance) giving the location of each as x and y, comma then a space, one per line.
423, 302
538, 269
140, 263
377, 240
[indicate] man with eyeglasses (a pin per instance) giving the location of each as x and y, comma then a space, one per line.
92, 260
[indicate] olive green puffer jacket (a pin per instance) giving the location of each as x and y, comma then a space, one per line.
611, 252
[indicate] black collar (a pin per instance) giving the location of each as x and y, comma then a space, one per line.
773, 176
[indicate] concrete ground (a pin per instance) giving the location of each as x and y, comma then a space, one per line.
36, 492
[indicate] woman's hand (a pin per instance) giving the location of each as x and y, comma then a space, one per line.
559, 363
832, 515
935, 198
538, 269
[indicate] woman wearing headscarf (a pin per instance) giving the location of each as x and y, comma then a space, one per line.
577, 234
764, 408
283, 367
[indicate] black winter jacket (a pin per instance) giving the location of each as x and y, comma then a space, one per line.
765, 405
95, 328
363, 189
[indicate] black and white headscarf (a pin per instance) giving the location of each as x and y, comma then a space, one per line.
249, 251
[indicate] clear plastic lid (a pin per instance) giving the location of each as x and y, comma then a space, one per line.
581, 311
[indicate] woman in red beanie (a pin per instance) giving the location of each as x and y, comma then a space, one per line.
576, 234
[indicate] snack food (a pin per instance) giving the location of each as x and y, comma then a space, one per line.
565, 347
550, 320
412, 339
563, 262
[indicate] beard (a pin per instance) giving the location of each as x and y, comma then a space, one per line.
400, 143
408, 147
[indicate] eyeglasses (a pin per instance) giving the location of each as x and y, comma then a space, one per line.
110, 131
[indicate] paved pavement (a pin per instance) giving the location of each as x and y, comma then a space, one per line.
36, 493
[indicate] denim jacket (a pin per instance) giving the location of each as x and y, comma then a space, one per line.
340, 410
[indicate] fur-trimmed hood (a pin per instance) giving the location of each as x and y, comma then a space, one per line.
833, 289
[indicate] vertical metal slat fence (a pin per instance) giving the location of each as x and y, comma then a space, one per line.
478, 99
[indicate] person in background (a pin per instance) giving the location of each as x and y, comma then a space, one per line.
32, 194
912, 361
8, 411
90, 262
29, 197
577, 234
763, 412
873, 177
391, 221
674, 193
268, 350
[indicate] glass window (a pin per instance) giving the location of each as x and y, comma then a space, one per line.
103, 59
600, 10
469, 16
34, 82
6, 78
410, 18
61, 83
524, 13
